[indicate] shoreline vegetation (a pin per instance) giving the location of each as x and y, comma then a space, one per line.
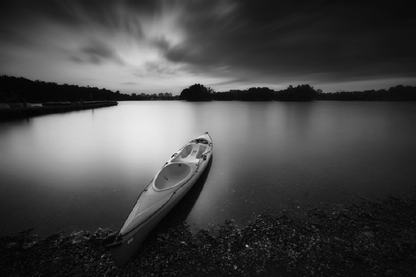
22, 90
23, 110
366, 238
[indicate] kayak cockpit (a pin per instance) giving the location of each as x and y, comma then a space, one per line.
193, 150
190, 153
171, 175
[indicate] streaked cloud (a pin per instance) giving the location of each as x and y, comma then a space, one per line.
97, 52
171, 44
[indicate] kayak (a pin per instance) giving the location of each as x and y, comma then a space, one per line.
166, 189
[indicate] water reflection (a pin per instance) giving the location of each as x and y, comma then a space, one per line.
85, 169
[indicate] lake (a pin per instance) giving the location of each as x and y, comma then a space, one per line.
85, 169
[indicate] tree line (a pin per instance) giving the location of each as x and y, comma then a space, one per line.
19, 89
305, 92
199, 92
397, 93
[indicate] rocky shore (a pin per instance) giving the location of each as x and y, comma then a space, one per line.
361, 239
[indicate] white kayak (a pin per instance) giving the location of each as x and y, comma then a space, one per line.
165, 190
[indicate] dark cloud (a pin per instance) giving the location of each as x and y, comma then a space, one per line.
107, 15
14, 38
162, 43
339, 39
97, 53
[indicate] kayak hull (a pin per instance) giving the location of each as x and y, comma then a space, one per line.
160, 196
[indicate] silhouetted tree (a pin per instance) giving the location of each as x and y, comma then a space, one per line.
257, 94
299, 93
196, 92
14, 89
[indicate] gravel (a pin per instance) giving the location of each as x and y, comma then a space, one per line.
360, 239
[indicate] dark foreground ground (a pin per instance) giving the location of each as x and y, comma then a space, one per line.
363, 239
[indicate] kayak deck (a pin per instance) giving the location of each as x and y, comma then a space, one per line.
168, 186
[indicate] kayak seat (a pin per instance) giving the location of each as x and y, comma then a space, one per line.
201, 150
190, 153
171, 175
186, 151
195, 153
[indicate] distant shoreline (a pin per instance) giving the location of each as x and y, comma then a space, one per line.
18, 89
24, 110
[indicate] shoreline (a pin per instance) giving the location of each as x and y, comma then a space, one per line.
361, 239
24, 110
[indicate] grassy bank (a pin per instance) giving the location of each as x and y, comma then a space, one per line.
362, 239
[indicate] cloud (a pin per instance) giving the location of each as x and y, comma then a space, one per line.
161, 43
230, 82
130, 83
111, 16
347, 40
97, 53
222, 42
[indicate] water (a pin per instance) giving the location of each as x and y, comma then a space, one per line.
85, 169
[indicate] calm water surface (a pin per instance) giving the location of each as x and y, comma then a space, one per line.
85, 169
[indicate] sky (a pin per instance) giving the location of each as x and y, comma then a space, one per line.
163, 46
